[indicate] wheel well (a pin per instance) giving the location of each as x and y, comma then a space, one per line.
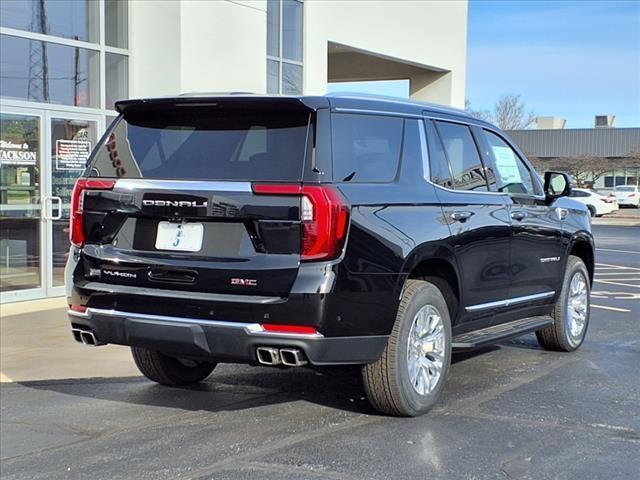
441, 270
583, 250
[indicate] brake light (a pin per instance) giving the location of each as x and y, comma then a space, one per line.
324, 216
631, 195
297, 329
76, 232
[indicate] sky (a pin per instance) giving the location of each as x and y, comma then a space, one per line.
572, 59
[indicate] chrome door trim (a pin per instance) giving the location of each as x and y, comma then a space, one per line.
205, 186
509, 301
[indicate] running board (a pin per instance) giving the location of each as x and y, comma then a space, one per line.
498, 333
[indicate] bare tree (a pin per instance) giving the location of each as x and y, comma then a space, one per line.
509, 113
481, 114
538, 164
584, 169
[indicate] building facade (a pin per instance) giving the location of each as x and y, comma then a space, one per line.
615, 149
64, 63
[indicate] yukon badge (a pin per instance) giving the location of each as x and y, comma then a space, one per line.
247, 282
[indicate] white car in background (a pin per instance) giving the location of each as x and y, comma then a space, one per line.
627, 195
597, 204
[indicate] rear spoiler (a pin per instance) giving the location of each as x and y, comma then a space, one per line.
257, 102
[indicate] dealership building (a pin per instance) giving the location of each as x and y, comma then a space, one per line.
64, 63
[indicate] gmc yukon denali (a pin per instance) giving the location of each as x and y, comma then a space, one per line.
321, 231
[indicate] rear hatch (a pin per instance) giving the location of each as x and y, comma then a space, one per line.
190, 197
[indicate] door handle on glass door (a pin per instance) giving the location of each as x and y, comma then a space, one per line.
47, 203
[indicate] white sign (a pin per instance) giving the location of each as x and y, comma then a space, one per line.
72, 154
16, 154
507, 165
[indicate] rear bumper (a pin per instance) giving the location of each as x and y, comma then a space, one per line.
221, 340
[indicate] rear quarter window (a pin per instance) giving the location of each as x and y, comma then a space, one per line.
366, 148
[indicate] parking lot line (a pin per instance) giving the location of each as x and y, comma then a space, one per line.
599, 273
611, 282
613, 309
608, 266
619, 251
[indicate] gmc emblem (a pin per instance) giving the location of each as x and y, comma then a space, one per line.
247, 282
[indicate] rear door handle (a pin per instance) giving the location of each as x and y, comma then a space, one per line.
460, 215
518, 215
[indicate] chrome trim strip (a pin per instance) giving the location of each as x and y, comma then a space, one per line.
254, 329
426, 171
206, 186
363, 111
160, 292
509, 301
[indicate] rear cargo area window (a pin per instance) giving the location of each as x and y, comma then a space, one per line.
197, 144
366, 148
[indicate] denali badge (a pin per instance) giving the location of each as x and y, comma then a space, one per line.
247, 282
113, 273
174, 203
549, 259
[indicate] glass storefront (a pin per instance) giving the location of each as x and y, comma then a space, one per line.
71, 143
20, 208
60, 76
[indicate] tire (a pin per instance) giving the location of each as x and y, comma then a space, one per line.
388, 382
561, 336
168, 370
592, 210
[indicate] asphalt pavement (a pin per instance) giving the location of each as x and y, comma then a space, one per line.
509, 411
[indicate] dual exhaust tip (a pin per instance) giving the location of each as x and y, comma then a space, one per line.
85, 336
289, 357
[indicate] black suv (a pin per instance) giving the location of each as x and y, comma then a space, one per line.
321, 231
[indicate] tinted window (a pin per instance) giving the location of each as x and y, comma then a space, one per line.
461, 151
411, 144
366, 148
512, 175
438, 163
199, 144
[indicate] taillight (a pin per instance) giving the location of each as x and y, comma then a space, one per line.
297, 329
76, 232
631, 195
324, 216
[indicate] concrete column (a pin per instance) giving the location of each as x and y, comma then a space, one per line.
433, 87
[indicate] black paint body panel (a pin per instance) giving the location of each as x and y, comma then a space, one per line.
396, 229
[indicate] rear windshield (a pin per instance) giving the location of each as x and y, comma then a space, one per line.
201, 144
625, 189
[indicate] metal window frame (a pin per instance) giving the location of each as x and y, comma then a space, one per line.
99, 47
280, 58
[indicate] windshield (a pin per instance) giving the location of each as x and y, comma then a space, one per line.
205, 145
625, 189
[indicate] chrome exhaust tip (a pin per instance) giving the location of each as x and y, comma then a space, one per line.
86, 337
292, 357
268, 356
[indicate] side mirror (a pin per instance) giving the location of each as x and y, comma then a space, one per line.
556, 184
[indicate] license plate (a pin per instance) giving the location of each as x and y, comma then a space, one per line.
183, 237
